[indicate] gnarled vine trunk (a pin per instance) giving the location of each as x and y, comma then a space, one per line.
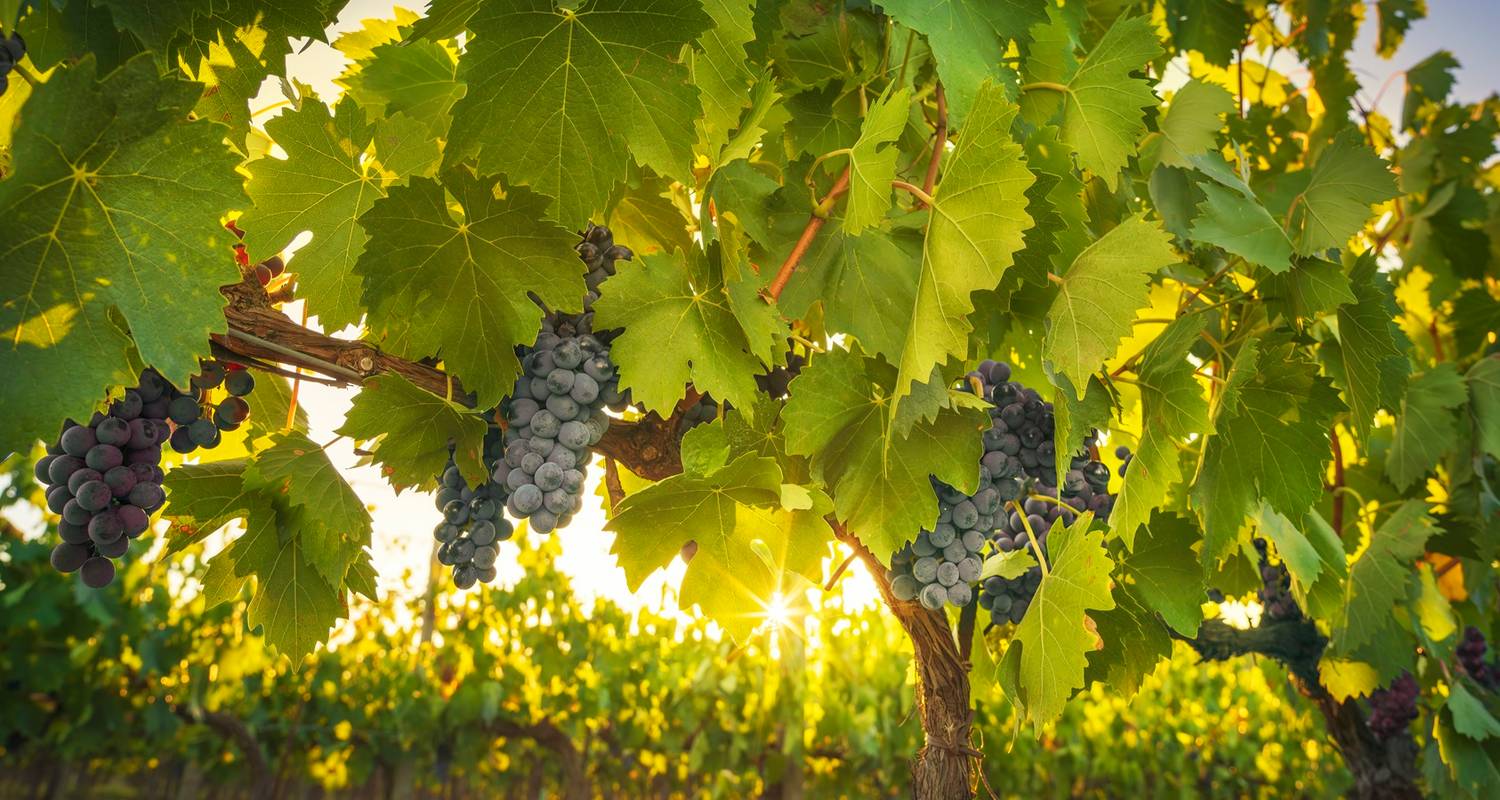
1382, 770
945, 767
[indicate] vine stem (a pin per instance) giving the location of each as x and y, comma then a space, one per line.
839, 572
939, 143
1045, 86
923, 198
1338, 478
815, 222
28, 74
1031, 537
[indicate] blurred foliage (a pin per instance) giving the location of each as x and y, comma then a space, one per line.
110, 683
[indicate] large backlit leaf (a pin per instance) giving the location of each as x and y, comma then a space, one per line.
328, 179
975, 230
455, 283
1379, 577
840, 415
969, 39
682, 325
115, 200
1054, 635
1102, 107
1173, 407
1270, 441
1099, 296
410, 430
590, 86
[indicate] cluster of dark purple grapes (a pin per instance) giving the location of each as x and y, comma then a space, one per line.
12, 50
940, 566
199, 422
775, 381
105, 477
1275, 591
555, 413
1393, 708
1020, 445
1017, 501
1123, 453
474, 522
599, 252
1470, 651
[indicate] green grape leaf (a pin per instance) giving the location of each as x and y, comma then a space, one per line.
1099, 295
1427, 426
736, 576
409, 431
1167, 574
1007, 565
232, 73
114, 197
1471, 765
1102, 117
359, 44
839, 414
765, 114
721, 70
56, 32
692, 507
1194, 117
1270, 441
823, 120
445, 19
972, 237
681, 327
1173, 407
1484, 386
456, 284
866, 283
1313, 288
872, 161
187, 27
1075, 419
1306, 558
1475, 314
647, 218
325, 183
1371, 348
295, 606
1215, 28
969, 38
590, 87
1134, 643
1238, 223
1470, 717
1430, 79
1335, 199
1054, 635
416, 78
202, 498
737, 514
297, 469
826, 44
764, 330
1378, 578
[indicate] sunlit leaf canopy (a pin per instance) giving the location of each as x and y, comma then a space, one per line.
1182, 222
